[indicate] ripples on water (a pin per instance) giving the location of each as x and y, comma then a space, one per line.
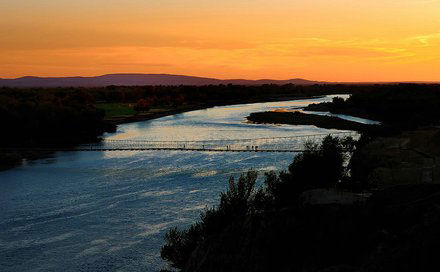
108, 211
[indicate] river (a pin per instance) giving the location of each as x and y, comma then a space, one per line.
109, 211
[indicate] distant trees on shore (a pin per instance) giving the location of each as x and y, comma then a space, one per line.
403, 106
143, 105
46, 118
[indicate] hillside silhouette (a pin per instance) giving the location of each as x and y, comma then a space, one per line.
138, 80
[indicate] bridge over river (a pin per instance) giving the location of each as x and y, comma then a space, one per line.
269, 144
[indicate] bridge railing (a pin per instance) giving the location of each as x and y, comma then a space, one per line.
283, 144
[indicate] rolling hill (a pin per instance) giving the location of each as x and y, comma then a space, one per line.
138, 80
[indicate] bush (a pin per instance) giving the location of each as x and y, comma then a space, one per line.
319, 166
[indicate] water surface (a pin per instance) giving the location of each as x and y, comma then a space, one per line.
108, 211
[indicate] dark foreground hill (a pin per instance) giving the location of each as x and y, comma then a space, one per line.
396, 230
137, 80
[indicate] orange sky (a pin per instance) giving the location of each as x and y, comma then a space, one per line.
333, 40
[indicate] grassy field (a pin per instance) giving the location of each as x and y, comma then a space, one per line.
116, 109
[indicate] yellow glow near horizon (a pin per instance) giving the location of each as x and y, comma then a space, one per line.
333, 40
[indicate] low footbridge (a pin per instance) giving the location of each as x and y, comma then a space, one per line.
270, 144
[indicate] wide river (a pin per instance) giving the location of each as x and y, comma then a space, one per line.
109, 211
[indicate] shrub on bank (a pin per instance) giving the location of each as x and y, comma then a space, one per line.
243, 203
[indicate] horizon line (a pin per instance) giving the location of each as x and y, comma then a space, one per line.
227, 79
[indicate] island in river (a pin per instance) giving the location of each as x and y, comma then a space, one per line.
299, 118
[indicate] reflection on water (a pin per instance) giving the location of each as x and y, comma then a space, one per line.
108, 211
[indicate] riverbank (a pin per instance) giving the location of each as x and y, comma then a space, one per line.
330, 107
155, 113
316, 210
299, 118
151, 114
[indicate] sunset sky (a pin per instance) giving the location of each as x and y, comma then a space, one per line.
332, 40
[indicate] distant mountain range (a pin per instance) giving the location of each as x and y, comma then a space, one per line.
138, 80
